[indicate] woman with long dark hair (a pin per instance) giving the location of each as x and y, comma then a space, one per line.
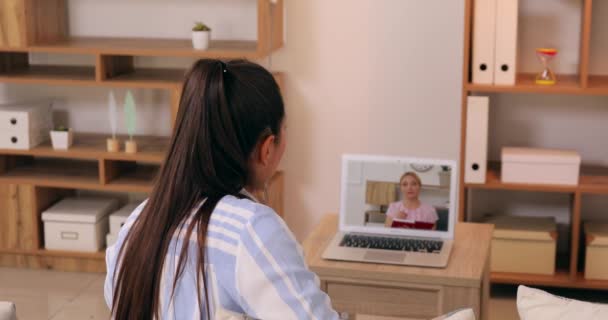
201, 242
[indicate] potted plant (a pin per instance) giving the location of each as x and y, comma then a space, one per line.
201, 34
444, 176
61, 138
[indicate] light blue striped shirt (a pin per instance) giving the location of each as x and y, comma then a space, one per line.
258, 268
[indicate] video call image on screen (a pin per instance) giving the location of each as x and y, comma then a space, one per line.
397, 195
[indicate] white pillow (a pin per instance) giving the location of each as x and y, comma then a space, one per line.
7, 311
461, 314
534, 304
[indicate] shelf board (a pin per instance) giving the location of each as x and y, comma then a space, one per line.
140, 179
524, 83
58, 75
598, 84
493, 182
85, 76
78, 175
593, 180
561, 278
149, 78
89, 146
69, 175
226, 49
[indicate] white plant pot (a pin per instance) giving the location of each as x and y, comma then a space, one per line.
200, 39
61, 140
444, 178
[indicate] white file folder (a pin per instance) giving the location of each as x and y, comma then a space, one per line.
476, 148
484, 40
506, 42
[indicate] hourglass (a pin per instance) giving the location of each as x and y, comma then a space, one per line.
546, 77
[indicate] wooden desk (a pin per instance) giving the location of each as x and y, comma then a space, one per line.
402, 292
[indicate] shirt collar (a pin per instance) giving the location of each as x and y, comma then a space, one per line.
248, 194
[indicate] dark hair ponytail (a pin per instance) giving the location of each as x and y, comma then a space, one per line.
225, 110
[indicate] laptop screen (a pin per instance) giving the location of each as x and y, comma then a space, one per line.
398, 195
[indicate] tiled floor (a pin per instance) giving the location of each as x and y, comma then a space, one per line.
63, 295
53, 295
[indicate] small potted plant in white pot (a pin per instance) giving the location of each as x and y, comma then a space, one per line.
61, 138
445, 176
201, 34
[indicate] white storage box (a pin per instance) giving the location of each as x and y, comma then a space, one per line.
111, 239
118, 218
77, 224
22, 140
24, 126
596, 256
524, 244
540, 166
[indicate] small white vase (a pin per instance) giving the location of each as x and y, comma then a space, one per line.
61, 140
200, 39
445, 178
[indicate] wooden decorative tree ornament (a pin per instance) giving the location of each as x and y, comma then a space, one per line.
113, 144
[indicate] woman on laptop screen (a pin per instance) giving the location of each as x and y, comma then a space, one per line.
410, 212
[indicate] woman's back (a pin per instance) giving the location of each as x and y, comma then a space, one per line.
257, 268
229, 137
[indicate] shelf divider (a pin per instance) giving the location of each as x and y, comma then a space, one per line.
575, 233
585, 43
112, 66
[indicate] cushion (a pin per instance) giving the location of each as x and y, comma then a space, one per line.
534, 304
7, 311
461, 314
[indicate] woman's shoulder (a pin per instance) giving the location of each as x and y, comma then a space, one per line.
243, 209
246, 217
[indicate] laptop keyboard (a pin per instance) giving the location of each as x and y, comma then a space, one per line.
396, 244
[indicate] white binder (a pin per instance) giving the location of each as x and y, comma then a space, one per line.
476, 148
484, 40
506, 42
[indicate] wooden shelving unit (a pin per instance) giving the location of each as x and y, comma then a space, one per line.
91, 146
227, 49
568, 84
593, 180
32, 180
562, 278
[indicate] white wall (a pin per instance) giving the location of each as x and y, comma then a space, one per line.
548, 23
163, 19
362, 76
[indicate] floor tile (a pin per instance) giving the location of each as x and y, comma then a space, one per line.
32, 282
86, 306
95, 287
36, 307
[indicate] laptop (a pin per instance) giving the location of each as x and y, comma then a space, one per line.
396, 210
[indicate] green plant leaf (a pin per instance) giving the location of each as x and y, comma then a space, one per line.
199, 26
130, 114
